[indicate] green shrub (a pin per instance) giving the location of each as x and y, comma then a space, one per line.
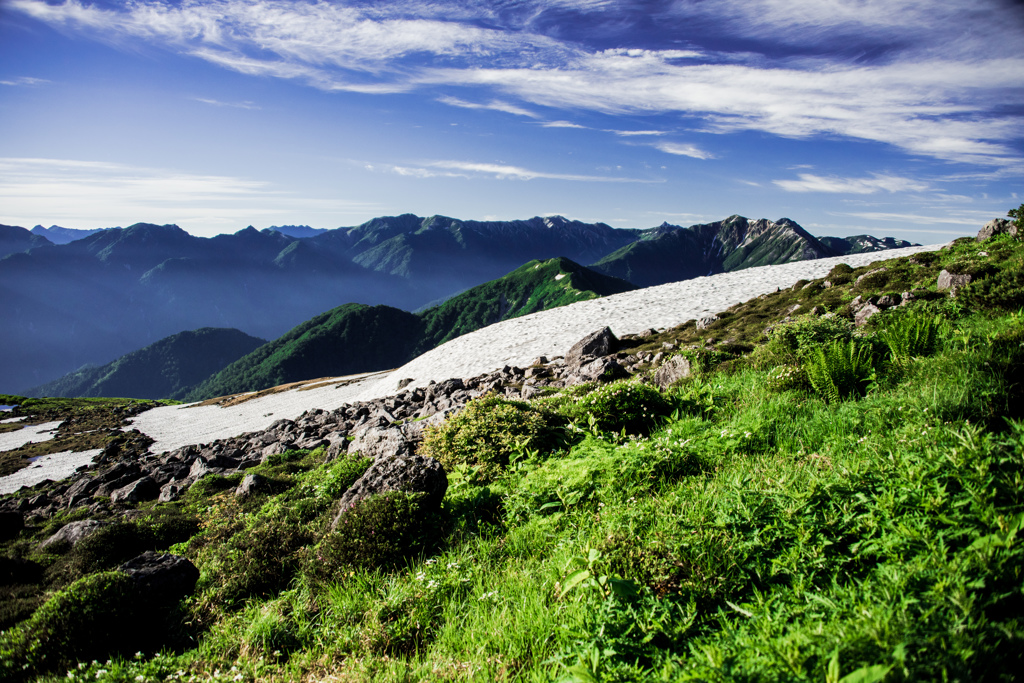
330, 480
910, 335
1005, 292
787, 377
261, 558
487, 433
840, 369
626, 405
91, 619
801, 336
379, 531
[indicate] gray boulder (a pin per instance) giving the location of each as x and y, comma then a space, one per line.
73, 532
595, 344
252, 483
161, 579
995, 227
139, 490
381, 442
952, 281
864, 313
673, 370
706, 322
409, 473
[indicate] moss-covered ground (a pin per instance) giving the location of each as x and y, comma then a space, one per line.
749, 524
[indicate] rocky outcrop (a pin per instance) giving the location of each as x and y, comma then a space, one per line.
161, 579
995, 227
410, 473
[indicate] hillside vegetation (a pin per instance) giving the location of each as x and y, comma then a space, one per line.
165, 369
816, 502
356, 338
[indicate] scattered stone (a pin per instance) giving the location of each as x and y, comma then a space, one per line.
381, 442
403, 383
409, 473
888, 301
673, 370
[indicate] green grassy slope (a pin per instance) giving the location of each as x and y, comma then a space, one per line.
536, 286
356, 338
752, 528
165, 369
345, 340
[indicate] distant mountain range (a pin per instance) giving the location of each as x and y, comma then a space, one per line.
117, 290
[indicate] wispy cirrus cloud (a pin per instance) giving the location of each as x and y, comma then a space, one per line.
218, 103
24, 80
494, 105
808, 182
469, 169
933, 78
682, 149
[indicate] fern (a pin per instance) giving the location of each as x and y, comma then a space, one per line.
840, 369
911, 336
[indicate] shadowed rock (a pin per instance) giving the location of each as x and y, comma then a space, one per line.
411, 474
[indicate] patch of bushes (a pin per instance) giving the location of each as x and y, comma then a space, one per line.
117, 543
626, 406
487, 433
378, 531
92, 618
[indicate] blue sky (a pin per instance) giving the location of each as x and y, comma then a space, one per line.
849, 116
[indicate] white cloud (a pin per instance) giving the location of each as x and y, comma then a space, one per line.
877, 183
948, 67
561, 124
496, 105
631, 133
681, 149
469, 169
24, 80
91, 194
218, 103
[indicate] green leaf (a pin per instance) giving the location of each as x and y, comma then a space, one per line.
867, 674
575, 579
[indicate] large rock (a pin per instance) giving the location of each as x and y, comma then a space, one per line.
161, 579
599, 368
599, 343
995, 227
673, 370
864, 313
139, 490
410, 473
73, 532
252, 483
381, 442
952, 281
